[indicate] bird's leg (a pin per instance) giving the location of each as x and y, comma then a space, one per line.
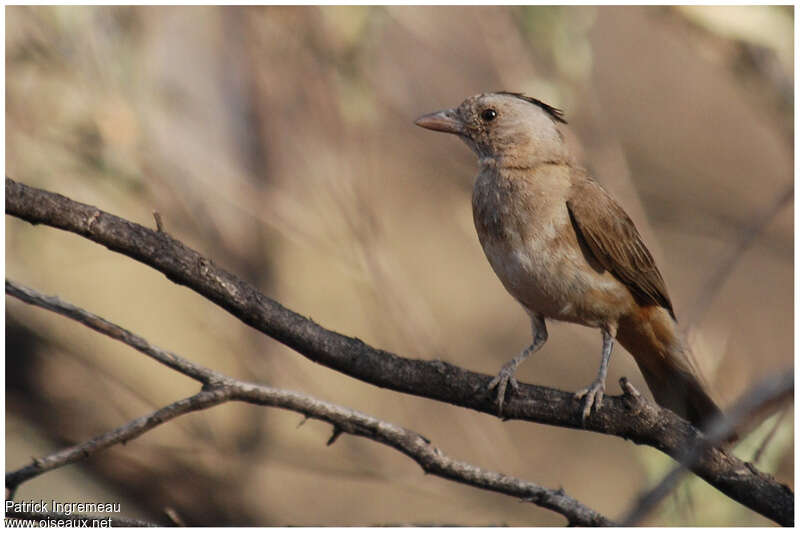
593, 394
506, 375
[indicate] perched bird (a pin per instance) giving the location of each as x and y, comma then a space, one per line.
566, 250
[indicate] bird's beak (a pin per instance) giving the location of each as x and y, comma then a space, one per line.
446, 121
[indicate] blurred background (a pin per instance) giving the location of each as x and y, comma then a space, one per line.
280, 142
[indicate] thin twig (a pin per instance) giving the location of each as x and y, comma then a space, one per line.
773, 390
749, 236
649, 424
763, 446
131, 430
176, 362
174, 517
219, 388
159, 221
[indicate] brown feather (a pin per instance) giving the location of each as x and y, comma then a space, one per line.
614, 241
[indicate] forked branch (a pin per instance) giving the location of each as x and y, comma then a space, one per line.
638, 421
219, 388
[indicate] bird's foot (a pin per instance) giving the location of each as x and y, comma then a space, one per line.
592, 396
501, 382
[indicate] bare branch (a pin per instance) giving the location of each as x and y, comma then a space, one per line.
131, 430
763, 446
715, 281
159, 221
219, 388
623, 416
773, 390
431, 459
176, 362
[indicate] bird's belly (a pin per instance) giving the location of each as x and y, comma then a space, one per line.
552, 278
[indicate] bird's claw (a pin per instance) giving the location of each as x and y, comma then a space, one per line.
501, 382
592, 396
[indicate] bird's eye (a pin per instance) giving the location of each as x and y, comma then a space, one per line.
488, 115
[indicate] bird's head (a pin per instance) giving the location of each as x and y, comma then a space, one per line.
503, 128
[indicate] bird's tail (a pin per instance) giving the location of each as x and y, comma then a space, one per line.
667, 365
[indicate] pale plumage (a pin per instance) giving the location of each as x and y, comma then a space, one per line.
564, 248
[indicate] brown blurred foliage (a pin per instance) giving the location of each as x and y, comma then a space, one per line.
280, 142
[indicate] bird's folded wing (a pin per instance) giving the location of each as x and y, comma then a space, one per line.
616, 244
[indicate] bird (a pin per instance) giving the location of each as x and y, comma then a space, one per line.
567, 251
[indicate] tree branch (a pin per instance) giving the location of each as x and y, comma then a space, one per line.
775, 390
123, 434
624, 416
750, 235
219, 388
199, 373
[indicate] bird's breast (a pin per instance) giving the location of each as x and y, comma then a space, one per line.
530, 243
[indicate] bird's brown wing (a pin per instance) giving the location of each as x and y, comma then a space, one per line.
614, 241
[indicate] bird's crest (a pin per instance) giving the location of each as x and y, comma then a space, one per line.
555, 113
